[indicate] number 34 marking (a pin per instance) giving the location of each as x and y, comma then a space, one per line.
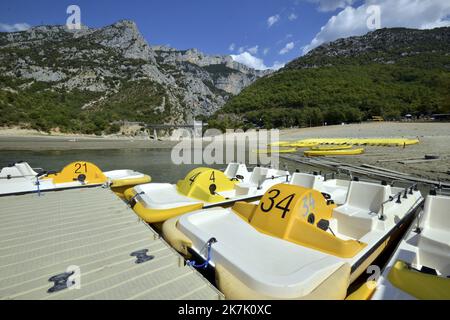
287, 201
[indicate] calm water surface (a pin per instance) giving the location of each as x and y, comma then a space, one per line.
155, 162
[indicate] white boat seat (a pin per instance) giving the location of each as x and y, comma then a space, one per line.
163, 196
434, 244
258, 176
121, 174
367, 196
338, 194
307, 180
21, 169
25, 169
249, 254
364, 200
245, 188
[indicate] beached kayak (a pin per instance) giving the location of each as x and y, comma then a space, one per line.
294, 243
269, 151
202, 188
350, 152
19, 178
362, 141
331, 148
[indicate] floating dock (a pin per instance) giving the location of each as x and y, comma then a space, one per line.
88, 244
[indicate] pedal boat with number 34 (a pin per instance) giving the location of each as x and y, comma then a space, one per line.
21, 178
202, 188
420, 265
294, 243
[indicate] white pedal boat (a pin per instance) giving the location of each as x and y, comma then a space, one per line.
202, 188
420, 266
294, 244
20, 178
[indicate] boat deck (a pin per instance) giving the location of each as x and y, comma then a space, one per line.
86, 244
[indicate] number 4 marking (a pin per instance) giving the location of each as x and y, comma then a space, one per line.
288, 204
192, 179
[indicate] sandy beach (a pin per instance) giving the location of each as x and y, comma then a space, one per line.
434, 140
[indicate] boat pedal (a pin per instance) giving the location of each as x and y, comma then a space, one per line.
141, 256
61, 282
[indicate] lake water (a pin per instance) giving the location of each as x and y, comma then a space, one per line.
155, 162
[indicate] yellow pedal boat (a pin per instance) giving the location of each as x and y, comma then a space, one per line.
20, 178
202, 188
294, 243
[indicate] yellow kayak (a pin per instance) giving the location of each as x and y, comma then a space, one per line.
351, 152
331, 148
268, 151
361, 142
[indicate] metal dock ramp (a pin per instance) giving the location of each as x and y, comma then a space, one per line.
86, 244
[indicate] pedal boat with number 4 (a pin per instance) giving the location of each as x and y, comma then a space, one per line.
420, 265
20, 178
202, 188
293, 244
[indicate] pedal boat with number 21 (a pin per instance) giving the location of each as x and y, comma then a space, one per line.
202, 188
293, 244
20, 178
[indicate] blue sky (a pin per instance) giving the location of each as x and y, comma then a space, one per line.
260, 33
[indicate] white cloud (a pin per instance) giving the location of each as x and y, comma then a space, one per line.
332, 5
278, 65
292, 17
241, 49
266, 51
232, 47
288, 47
253, 50
272, 20
14, 27
253, 62
426, 14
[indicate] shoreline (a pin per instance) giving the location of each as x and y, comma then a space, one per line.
434, 140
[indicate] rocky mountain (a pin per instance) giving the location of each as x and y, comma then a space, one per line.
387, 72
84, 80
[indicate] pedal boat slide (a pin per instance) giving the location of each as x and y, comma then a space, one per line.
294, 243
